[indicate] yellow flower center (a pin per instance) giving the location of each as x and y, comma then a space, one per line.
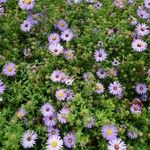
62, 24
18, 114
60, 94
54, 144
64, 116
28, 1
99, 87
68, 54
109, 132
54, 38
9, 69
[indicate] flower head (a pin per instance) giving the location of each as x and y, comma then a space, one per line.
69, 54
62, 25
115, 88
109, 132
21, 113
53, 131
67, 35
55, 49
63, 115
56, 76
142, 29
135, 108
54, 143
26, 26
9, 69
100, 55
69, 140
28, 139
26, 4
141, 88
99, 88
47, 109
54, 38
49, 121
61, 94
139, 45
101, 73
116, 144
147, 3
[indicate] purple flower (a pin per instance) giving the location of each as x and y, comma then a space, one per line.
3, 1
2, 87
143, 14
21, 113
49, 121
69, 54
115, 62
53, 131
90, 124
69, 95
116, 144
109, 132
99, 88
139, 45
56, 76
62, 25
100, 55
135, 108
98, 5
26, 4
147, 3
101, 73
69, 140
132, 135
27, 52
55, 49
28, 139
142, 29
61, 94
115, 88
54, 143
47, 110
141, 88
63, 115
26, 26
67, 35
54, 38
9, 69
119, 3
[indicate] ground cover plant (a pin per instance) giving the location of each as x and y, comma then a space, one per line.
74, 74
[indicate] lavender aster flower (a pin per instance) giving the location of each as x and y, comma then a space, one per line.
54, 143
9, 69
47, 110
141, 88
69, 54
100, 55
60, 95
26, 26
28, 139
139, 45
132, 135
99, 88
69, 140
55, 49
142, 29
3, 1
49, 121
53, 131
119, 3
2, 87
115, 62
90, 124
147, 3
27, 52
116, 144
21, 113
143, 14
115, 88
101, 73
69, 95
67, 35
63, 115
109, 132
54, 38
26, 4
56, 76
62, 25
135, 108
